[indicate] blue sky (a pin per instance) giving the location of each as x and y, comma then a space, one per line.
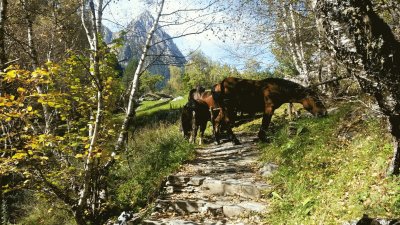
120, 13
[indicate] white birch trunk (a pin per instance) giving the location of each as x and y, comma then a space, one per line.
92, 33
134, 85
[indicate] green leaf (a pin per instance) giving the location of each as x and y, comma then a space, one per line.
307, 200
276, 195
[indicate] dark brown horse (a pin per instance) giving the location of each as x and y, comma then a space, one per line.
194, 117
265, 96
201, 103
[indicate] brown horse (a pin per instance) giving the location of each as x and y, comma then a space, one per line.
261, 96
194, 116
202, 103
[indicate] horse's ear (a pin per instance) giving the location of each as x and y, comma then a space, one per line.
200, 89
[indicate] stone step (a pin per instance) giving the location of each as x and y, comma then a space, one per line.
244, 187
202, 221
233, 187
218, 208
223, 185
168, 222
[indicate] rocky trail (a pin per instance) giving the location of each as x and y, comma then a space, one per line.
223, 185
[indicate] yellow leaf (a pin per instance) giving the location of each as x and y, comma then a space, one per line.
11, 74
21, 90
87, 146
29, 108
19, 155
85, 138
78, 156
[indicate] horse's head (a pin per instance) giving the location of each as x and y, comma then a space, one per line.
313, 103
186, 121
196, 93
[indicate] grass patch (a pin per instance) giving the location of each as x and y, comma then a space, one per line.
331, 169
151, 113
153, 153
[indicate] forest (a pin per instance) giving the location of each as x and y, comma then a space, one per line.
81, 142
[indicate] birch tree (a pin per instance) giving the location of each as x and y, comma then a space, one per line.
189, 25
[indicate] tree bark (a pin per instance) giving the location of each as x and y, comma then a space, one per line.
3, 18
295, 46
378, 51
130, 111
92, 28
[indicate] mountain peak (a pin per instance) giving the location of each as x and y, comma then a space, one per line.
162, 53
146, 15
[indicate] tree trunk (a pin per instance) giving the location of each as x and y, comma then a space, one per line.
3, 18
3, 57
88, 186
130, 111
35, 61
295, 46
375, 47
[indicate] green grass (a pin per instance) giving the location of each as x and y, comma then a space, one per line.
153, 153
149, 107
326, 179
150, 113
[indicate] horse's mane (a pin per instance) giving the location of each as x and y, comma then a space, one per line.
289, 86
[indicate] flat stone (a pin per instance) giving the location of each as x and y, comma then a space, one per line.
249, 191
212, 208
233, 210
253, 206
177, 180
180, 206
196, 180
268, 169
168, 222
215, 187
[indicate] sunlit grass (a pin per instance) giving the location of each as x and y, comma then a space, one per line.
326, 177
152, 153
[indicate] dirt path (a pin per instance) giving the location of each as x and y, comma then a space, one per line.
223, 185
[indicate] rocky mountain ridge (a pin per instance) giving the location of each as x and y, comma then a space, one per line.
162, 53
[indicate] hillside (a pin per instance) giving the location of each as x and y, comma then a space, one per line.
329, 171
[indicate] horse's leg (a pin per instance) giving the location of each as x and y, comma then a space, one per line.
216, 121
262, 134
202, 129
230, 120
194, 128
